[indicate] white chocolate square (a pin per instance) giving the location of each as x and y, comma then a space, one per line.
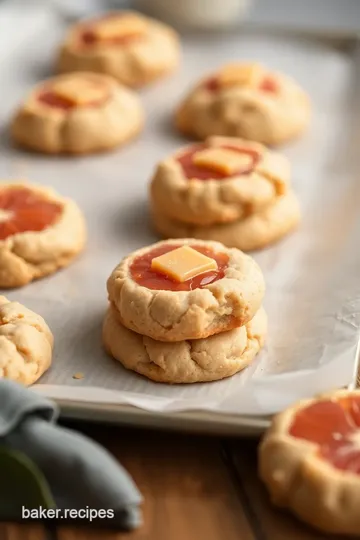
183, 263
223, 160
117, 27
240, 75
78, 91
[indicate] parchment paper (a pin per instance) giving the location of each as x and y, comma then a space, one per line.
313, 276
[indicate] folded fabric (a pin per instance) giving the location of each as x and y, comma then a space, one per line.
79, 472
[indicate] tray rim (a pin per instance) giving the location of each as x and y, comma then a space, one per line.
213, 423
190, 421
193, 421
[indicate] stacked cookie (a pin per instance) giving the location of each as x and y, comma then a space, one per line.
184, 311
226, 189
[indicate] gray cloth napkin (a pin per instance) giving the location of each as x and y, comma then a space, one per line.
79, 472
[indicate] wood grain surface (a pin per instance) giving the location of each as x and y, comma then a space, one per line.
194, 488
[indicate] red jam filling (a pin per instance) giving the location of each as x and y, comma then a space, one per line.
52, 99
190, 170
25, 210
142, 273
89, 37
212, 84
333, 426
268, 84
47, 97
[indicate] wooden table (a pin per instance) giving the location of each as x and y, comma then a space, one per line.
195, 488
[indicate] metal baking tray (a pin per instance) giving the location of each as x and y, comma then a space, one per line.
313, 290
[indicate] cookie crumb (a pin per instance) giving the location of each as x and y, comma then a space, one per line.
78, 376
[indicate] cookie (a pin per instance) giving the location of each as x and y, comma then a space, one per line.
310, 461
245, 100
253, 232
223, 180
191, 293
40, 232
78, 113
26, 343
130, 47
200, 360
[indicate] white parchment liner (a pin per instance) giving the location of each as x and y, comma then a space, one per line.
313, 277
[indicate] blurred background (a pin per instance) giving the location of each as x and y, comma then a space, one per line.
337, 16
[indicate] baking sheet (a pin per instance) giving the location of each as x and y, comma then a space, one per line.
313, 284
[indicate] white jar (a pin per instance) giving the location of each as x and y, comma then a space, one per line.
197, 13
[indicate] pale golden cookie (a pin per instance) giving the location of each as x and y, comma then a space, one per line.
200, 360
40, 232
26, 343
310, 461
245, 100
222, 180
79, 113
213, 302
126, 45
253, 232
